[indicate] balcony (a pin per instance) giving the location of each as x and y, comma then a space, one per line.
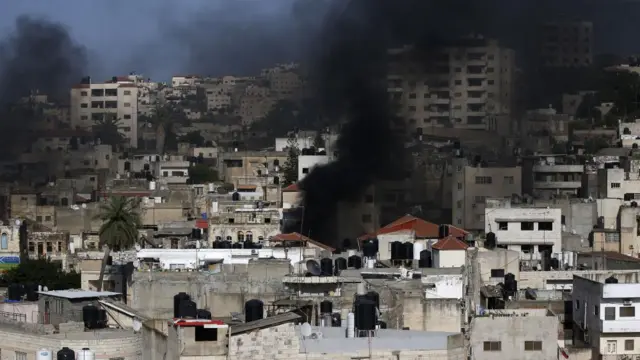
557, 185
559, 168
620, 326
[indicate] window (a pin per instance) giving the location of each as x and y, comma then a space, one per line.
127, 92
628, 345
84, 93
611, 237
21, 355
232, 220
484, 180
577, 304
84, 117
627, 311
492, 346
305, 170
497, 273
503, 225
84, 105
508, 180
39, 218
615, 185
127, 117
609, 313
366, 218
127, 104
459, 186
526, 226
596, 310
240, 236
545, 226
533, 346
47, 218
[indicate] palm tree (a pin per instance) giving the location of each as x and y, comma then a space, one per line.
120, 222
106, 129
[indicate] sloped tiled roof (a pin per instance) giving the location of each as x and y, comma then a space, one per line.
292, 188
294, 236
422, 228
450, 243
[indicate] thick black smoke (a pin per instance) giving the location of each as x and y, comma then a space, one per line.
350, 80
39, 55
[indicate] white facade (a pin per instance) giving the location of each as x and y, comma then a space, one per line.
443, 286
306, 163
91, 103
174, 171
448, 258
616, 183
525, 229
610, 313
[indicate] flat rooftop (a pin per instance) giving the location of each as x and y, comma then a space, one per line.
78, 294
333, 340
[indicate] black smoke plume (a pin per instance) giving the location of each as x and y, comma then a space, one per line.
39, 56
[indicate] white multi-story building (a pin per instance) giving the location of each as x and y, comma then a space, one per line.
629, 134
529, 231
607, 316
467, 84
549, 176
95, 102
306, 163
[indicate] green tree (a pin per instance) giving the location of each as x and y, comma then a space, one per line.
43, 272
193, 138
202, 174
594, 144
106, 129
290, 168
120, 218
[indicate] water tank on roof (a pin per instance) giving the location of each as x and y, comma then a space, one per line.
425, 259
326, 307
248, 244
187, 309
91, 317
253, 310
236, 245
355, 262
611, 280
235, 196
44, 354
339, 264
408, 250
375, 297
365, 314
203, 314
397, 250
177, 300
443, 231
326, 267
346, 244
102, 318
491, 241
66, 354
86, 354
13, 292
369, 249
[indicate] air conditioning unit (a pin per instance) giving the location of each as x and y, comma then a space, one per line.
627, 303
254, 252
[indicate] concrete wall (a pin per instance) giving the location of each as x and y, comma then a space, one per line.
498, 259
221, 293
539, 279
432, 314
449, 258
283, 342
154, 335
105, 344
512, 332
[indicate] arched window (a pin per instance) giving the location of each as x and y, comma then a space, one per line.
260, 238
240, 236
249, 236
4, 241
229, 238
218, 238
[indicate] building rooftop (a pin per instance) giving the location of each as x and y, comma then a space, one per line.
422, 228
450, 243
78, 294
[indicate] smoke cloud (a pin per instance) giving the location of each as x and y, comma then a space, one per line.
39, 55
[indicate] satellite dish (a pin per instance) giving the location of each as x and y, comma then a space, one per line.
138, 247
313, 267
84, 206
137, 325
136, 263
305, 329
18, 222
45, 288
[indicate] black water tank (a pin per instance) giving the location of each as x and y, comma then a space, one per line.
336, 320
397, 250
236, 245
235, 196
555, 264
382, 324
443, 231
346, 244
509, 277
355, 261
13, 292
365, 314
109, 260
611, 280
425, 259
375, 297
253, 310
369, 249
226, 245
326, 307
376, 243
32, 292
491, 241
90, 317
408, 250
248, 244
326, 267
203, 314
187, 309
66, 354
339, 264
215, 245
177, 299
102, 318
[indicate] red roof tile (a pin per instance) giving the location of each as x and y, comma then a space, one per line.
292, 188
247, 187
450, 243
457, 232
294, 236
422, 228
202, 224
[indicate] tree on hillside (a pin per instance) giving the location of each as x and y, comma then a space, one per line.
290, 168
42, 272
120, 218
193, 138
202, 174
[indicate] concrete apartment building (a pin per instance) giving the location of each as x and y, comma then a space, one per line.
522, 334
551, 176
470, 82
605, 316
95, 102
472, 185
567, 44
628, 133
529, 231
